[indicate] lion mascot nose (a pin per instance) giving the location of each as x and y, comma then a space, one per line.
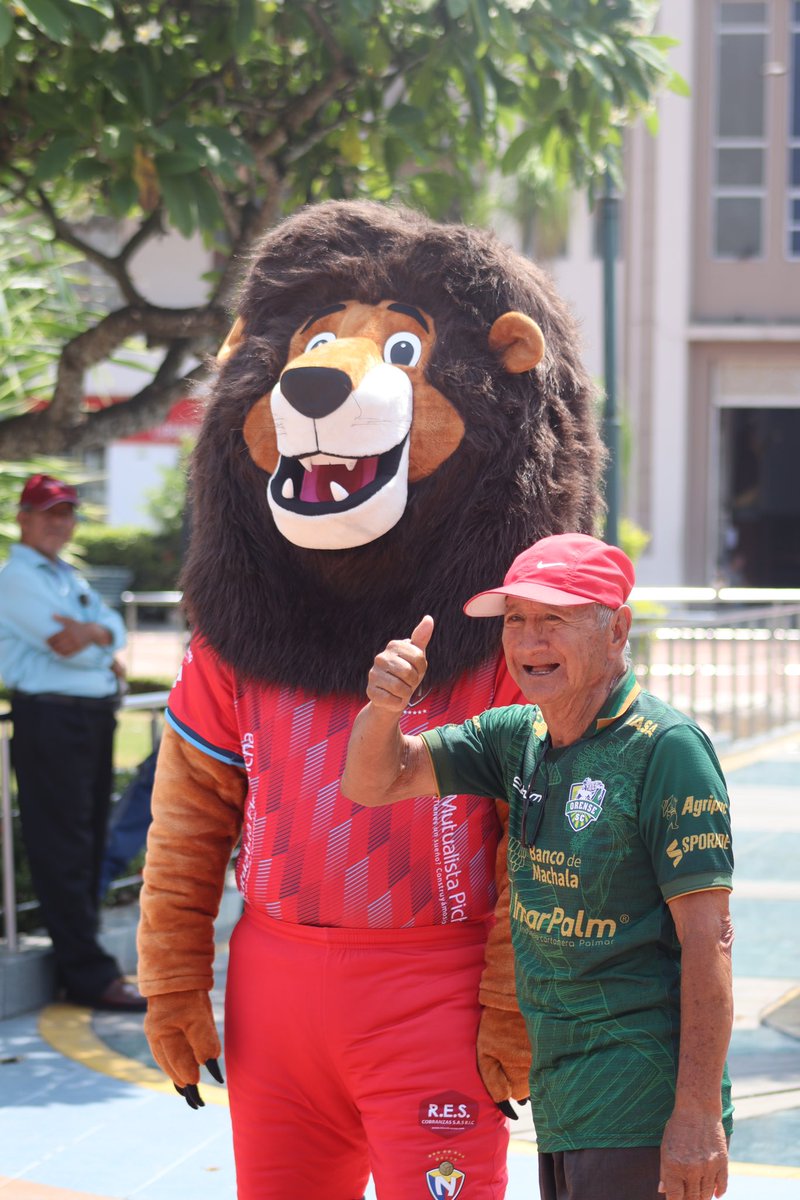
316, 391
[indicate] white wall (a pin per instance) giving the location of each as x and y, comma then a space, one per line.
132, 470
579, 279
663, 563
168, 271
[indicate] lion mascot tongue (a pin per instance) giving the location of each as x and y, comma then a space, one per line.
397, 411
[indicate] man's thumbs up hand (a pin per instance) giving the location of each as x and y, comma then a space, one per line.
399, 669
422, 634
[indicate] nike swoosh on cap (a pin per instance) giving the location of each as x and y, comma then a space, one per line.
541, 564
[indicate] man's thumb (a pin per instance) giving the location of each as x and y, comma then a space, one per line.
422, 634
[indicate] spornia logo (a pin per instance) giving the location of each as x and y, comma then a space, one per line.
674, 851
697, 841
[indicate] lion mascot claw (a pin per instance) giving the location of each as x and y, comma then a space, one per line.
397, 411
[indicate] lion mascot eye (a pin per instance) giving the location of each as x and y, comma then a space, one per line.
320, 339
402, 349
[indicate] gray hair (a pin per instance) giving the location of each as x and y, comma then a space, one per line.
603, 615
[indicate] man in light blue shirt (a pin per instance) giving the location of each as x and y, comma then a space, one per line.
57, 644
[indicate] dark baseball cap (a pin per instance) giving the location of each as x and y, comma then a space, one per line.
568, 568
43, 491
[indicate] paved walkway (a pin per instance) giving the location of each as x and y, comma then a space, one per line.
84, 1114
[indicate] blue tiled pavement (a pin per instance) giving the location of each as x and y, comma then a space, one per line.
69, 1131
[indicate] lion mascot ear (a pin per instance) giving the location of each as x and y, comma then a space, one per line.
518, 340
235, 336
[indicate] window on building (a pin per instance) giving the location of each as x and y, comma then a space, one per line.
740, 141
760, 529
794, 135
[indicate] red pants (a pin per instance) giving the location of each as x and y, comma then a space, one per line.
353, 1051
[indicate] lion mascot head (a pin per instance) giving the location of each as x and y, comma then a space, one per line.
398, 410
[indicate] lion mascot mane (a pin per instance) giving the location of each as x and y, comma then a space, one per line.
398, 410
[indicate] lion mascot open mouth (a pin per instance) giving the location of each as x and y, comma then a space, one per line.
397, 411
353, 420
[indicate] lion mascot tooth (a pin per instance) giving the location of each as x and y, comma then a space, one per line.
398, 410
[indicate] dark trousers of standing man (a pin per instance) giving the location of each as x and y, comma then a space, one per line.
62, 755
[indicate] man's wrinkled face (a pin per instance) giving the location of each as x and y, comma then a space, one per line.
557, 653
47, 531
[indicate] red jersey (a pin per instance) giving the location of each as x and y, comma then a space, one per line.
309, 855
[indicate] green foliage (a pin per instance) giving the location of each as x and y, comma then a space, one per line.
632, 538
42, 305
218, 116
126, 106
166, 505
153, 558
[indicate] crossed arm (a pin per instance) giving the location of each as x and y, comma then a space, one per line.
77, 635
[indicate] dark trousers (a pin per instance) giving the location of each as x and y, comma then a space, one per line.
601, 1174
62, 757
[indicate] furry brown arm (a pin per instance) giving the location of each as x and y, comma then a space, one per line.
197, 816
504, 1055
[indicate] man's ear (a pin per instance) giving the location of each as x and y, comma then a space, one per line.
518, 340
621, 626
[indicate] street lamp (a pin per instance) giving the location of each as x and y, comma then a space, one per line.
609, 212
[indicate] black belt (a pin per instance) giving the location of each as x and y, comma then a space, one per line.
104, 702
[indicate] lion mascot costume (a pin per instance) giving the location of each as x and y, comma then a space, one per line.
397, 411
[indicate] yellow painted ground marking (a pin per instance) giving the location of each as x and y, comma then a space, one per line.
22, 1189
787, 998
768, 1170
734, 760
68, 1029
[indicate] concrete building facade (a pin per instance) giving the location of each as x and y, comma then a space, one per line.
709, 302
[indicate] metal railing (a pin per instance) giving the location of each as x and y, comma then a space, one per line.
132, 602
729, 658
736, 671
152, 702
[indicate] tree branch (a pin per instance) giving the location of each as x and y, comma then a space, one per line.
113, 267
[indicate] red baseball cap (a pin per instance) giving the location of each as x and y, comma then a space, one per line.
43, 491
568, 568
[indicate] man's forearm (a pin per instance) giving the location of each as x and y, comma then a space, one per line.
376, 757
694, 1155
706, 1020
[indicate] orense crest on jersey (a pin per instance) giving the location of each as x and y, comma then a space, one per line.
585, 803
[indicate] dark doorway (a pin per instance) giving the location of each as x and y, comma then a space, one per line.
760, 477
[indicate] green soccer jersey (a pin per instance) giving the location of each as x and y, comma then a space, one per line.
630, 816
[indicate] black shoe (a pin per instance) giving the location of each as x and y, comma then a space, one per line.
120, 996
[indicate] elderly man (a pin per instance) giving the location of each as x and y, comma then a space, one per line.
57, 645
620, 865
